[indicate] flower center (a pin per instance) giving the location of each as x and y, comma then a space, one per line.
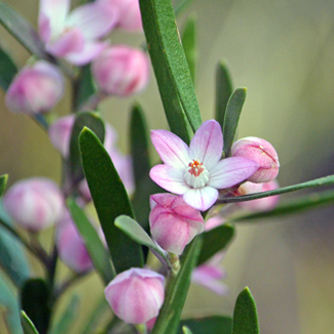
196, 175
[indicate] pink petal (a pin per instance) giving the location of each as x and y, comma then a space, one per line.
55, 11
201, 198
90, 51
169, 178
171, 149
93, 19
70, 41
231, 171
207, 144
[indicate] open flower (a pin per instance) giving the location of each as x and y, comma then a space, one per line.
196, 172
73, 36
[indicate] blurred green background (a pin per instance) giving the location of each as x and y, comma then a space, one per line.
283, 52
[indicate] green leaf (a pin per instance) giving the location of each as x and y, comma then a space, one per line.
293, 206
134, 231
190, 45
12, 255
110, 200
93, 121
66, 320
176, 291
95, 247
214, 241
186, 330
170, 66
224, 89
231, 117
35, 302
9, 308
22, 30
27, 325
245, 319
322, 181
141, 166
8, 69
3, 183
86, 87
212, 325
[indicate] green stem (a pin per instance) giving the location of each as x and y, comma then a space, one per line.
322, 181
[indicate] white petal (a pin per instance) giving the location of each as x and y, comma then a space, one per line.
207, 144
201, 199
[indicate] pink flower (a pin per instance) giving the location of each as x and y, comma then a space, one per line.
263, 153
34, 203
196, 172
74, 36
129, 17
71, 247
35, 89
174, 224
261, 204
136, 295
210, 274
121, 70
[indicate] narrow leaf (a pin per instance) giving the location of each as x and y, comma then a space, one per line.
35, 302
12, 254
322, 181
245, 319
27, 325
8, 69
63, 325
190, 45
176, 291
9, 308
93, 121
224, 89
22, 30
170, 66
110, 200
293, 206
212, 325
95, 247
3, 183
231, 117
134, 231
141, 166
186, 330
214, 241
86, 87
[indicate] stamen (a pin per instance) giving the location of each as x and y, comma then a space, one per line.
196, 175
196, 168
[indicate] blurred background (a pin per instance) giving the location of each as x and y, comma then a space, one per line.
283, 52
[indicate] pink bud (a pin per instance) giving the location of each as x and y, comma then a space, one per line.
71, 248
173, 222
260, 151
128, 12
261, 204
35, 203
35, 89
136, 295
60, 134
121, 70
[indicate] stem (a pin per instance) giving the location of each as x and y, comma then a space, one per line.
175, 262
141, 329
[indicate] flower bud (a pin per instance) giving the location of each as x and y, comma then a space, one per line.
261, 204
71, 247
35, 89
260, 151
173, 222
129, 17
121, 70
35, 203
136, 295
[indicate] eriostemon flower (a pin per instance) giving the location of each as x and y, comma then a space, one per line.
196, 172
74, 36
